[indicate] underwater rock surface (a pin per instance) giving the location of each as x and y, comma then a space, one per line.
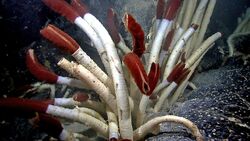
220, 106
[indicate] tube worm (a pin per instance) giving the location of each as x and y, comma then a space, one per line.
76, 100
59, 38
181, 13
177, 34
52, 126
137, 34
43, 74
136, 69
196, 19
148, 127
205, 22
112, 27
166, 92
113, 125
66, 10
73, 114
95, 105
173, 58
38, 70
159, 12
98, 32
91, 113
190, 8
146, 83
168, 40
183, 85
63, 41
124, 113
80, 7
170, 13
80, 96
176, 72
82, 100
153, 77
200, 10
192, 62
204, 46
26, 105
43, 107
85, 75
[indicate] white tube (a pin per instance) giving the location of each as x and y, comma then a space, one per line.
74, 115
204, 46
124, 112
65, 102
156, 46
66, 136
166, 92
173, 58
149, 127
103, 91
160, 86
91, 112
81, 23
82, 58
72, 82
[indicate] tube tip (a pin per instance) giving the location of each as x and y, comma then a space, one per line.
38, 70
172, 8
194, 26
80, 97
63, 8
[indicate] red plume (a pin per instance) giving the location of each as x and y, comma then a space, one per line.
63, 8
112, 26
80, 7
133, 63
137, 33
38, 70
153, 77
172, 8
61, 39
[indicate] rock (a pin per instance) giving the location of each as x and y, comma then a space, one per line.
220, 106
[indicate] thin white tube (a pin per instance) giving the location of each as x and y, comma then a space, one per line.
82, 24
82, 58
166, 92
156, 46
71, 82
173, 58
74, 115
121, 90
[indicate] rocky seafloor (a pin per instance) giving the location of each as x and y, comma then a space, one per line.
220, 105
